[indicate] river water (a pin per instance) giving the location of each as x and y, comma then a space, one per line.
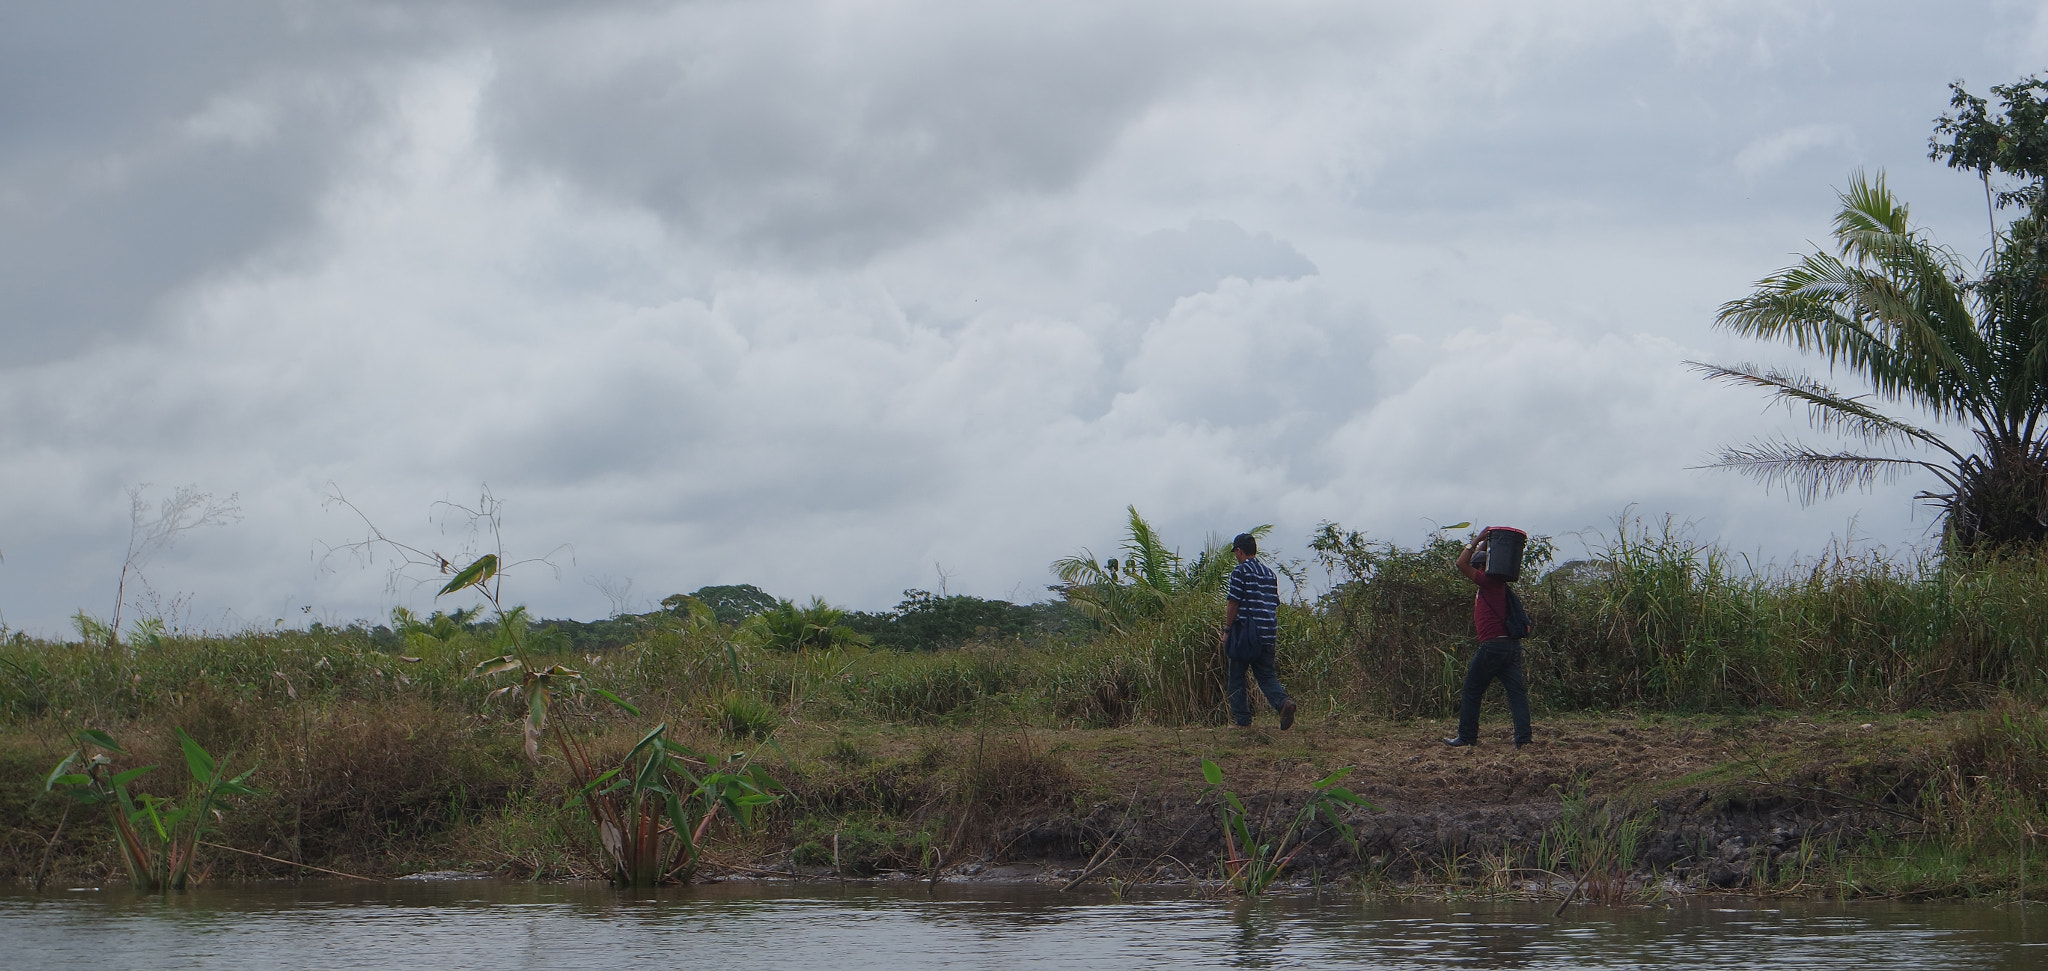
459, 924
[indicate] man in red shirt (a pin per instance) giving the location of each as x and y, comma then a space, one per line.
1499, 655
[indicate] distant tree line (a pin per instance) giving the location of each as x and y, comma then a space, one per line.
923, 621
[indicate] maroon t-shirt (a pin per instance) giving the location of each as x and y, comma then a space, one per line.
1490, 608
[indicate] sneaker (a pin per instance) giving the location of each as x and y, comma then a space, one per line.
1456, 742
1287, 715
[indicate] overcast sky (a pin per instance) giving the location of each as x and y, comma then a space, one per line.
839, 298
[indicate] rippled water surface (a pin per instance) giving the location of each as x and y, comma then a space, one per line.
460, 924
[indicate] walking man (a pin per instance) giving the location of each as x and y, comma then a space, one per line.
1499, 655
1251, 626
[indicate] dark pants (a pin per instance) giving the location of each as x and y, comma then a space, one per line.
1500, 658
1269, 685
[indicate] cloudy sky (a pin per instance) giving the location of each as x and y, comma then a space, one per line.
841, 298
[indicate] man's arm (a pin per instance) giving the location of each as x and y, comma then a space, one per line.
1465, 566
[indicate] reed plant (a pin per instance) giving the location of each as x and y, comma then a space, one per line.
1256, 852
1597, 839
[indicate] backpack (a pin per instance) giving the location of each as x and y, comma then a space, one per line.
1517, 623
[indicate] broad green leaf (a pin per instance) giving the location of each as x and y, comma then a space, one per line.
63, 774
1332, 779
101, 739
1342, 794
653, 737
1212, 773
485, 567
130, 776
615, 699
1464, 525
196, 758
600, 780
649, 776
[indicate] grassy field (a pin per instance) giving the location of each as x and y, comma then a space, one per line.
377, 753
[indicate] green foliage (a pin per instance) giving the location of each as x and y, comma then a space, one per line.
158, 837
2011, 140
730, 603
788, 627
925, 621
1254, 855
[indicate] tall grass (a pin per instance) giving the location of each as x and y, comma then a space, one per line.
1654, 620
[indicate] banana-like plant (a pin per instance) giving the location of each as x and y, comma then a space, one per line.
654, 811
158, 837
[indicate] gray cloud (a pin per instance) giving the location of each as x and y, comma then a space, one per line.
794, 132
817, 297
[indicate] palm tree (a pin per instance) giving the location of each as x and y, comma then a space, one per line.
788, 627
1896, 308
1151, 576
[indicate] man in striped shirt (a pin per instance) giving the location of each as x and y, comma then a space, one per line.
1251, 626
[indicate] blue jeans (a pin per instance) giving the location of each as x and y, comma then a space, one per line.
1269, 685
1499, 658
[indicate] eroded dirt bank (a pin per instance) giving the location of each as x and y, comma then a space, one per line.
1731, 802
1710, 802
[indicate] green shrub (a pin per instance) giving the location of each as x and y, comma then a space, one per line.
740, 715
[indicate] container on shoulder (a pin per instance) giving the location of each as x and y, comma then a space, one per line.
1504, 545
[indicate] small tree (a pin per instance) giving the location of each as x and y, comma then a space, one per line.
151, 532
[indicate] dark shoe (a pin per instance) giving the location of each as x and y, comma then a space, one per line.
1521, 742
1456, 742
1287, 715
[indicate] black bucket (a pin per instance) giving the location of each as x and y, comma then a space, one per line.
1504, 546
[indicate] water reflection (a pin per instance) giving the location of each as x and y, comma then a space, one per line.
454, 925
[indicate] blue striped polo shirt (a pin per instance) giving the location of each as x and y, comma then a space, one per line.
1257, 592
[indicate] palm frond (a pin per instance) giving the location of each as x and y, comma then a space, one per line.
1079, 569
1891, 306
1812, 475
1157, 565
1827, 409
